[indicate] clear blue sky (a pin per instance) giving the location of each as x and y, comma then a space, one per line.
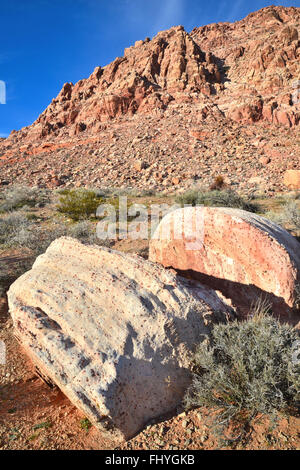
45, 43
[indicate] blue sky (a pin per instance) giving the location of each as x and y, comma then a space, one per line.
45, 43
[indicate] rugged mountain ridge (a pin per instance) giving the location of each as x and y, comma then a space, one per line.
229, 75
261, 54
148, 77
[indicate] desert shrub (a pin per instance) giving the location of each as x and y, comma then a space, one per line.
216, 198
16, 197
288, 217
218, 183
79, 204
16, 231
43, 237
188, 198
83, 231
247, 368
296, 305
10, 227
291, 214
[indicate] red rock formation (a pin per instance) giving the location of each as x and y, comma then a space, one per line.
260, 56
150, 75
222, 75
262, 52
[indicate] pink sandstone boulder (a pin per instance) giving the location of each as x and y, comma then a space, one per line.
114, 332
241, 254
291, 179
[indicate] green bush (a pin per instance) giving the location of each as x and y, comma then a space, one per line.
216, 198
189, 197
247, 368
79, 204
85, 424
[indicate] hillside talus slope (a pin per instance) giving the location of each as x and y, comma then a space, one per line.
225, 97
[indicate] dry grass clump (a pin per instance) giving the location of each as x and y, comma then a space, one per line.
14, 230
288, 217
218, 183
216, 198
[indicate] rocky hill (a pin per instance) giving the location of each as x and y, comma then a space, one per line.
224, 98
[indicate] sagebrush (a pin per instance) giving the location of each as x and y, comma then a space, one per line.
247, 368
16, 197
17, 231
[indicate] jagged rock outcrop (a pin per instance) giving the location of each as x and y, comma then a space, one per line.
113, 331
260, 56
236, 252
149, 76
238, 79
250, 64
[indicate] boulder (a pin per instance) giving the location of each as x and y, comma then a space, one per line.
113, 331
291, 179
140, 165
241, 254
